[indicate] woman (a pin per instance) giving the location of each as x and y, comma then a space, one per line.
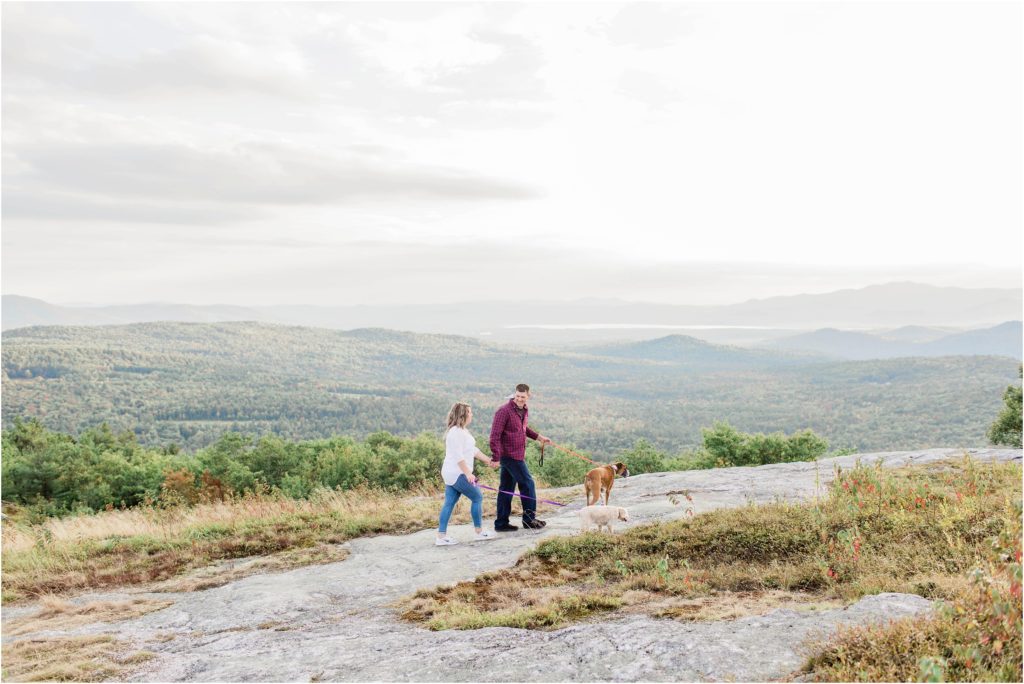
457, 472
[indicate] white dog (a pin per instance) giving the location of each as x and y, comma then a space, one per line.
601, 516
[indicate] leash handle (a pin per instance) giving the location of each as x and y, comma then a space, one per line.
521, 496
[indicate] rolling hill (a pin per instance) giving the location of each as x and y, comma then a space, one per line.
187, 383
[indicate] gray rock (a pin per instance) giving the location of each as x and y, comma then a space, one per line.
335, 622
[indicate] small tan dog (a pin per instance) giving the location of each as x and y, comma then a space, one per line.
601, 516
602, 478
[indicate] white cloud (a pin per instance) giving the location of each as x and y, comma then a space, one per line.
848, 136
252, 173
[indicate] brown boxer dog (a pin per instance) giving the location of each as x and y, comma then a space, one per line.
602, 478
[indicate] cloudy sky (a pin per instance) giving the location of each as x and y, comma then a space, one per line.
341, 153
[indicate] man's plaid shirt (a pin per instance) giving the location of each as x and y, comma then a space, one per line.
509, 433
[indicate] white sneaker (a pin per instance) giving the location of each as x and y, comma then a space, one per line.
445, 541
485, 534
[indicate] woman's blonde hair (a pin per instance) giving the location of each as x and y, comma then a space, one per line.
458, 415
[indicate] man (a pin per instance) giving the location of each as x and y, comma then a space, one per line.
508, 446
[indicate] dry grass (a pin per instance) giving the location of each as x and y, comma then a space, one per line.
147, 545
502, 601
723, 605
171, 523
552, 610
219, 574
57, 614
69, 659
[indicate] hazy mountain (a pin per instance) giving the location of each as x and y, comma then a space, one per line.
915, 333
21, 312
877, 306
1002, 340
690, 351
1005, 339
844, 344
891, 304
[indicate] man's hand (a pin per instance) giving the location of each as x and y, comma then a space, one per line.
543, 439
494, 464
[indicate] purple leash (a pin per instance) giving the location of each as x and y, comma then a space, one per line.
521, 496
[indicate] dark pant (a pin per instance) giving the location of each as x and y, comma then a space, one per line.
515, 473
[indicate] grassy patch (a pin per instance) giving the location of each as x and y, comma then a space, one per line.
975, 637
68, 659
916, 530
146, 545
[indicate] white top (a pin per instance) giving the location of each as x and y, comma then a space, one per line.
459, 445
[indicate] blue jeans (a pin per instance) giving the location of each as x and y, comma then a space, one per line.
515, 473
451, 497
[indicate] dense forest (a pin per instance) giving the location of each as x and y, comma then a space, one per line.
182, 386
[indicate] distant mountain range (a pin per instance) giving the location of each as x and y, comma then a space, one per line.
890, 305
1005, 339
23, 312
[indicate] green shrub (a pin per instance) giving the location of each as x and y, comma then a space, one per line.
729, 447
1007, 427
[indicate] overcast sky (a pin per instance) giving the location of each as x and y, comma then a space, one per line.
342, 153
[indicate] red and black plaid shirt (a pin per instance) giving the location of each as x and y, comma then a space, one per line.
509, 432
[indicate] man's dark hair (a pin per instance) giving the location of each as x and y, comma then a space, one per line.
522, 388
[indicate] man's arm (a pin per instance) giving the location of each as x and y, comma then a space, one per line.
535, 435
497, 427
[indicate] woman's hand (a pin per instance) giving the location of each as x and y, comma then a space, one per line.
493, 464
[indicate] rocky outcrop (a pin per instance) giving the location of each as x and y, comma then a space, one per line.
335, 622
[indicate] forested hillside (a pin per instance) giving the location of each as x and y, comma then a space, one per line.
186, 384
